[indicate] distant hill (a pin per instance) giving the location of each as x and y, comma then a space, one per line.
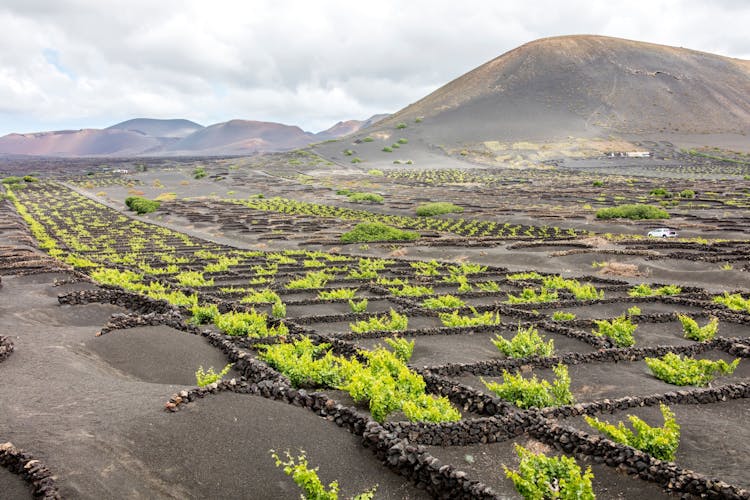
348, 127
159, 128
242, 137
147, 136
86, 142
587, 86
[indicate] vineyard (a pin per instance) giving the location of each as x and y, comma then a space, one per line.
449, 369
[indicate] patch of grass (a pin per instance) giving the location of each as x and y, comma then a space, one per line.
375, 172
438, 208
363, 197
377, 231
635, 211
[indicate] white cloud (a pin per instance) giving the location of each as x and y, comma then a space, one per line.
296, 62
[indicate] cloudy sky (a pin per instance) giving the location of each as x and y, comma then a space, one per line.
69, 64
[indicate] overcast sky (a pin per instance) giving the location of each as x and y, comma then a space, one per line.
69, 64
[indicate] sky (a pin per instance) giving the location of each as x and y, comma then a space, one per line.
71, 64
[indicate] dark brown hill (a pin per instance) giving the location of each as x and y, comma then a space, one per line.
585, 86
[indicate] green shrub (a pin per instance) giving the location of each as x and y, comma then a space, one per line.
488, 286
673, 369
199, 173
438, 208
193, 279
687, 193
278, 309
635, 212
527, 342
661, 192
733, 301
368, 139
205, 378
30, 178
376, 172
363, 197
250, 324
659, 442
563, 316
11, 180
387, 149
597, 183
358, 307
391, 322
337, 294
402, 348
700, 333
204, 314
634, 311
142, 205
579, 291
401, 126
541, 477
530, 296
454, 319
311, 280
376, 231
527, 393
411, 291
443, 302
265, 296
304, 363
643, 290
619, 329
309, 482
430, 268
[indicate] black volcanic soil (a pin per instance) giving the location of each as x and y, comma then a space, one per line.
91, 409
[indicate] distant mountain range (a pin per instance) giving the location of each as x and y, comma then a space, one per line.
148, 136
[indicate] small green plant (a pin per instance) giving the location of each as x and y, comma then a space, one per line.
402, 348
265, 296
430, 268
527, 342
250, 324
278, 309
727, 266
454, 319
309, 482
141, 205
542, 477
209, 377
734, 301
528, 393
700, 333
193, 279
443, 302
401, 126
363, 197
411, 291
530, 296
337, 294
358, 307
660, 442
376, 231
199, 173
634, 311
644, 290
204, 314
391, 322
619, 329
488, 286
597, 183
660, 192
304, 363
375, 172
673, 369
387, 149
563, 316
634, 212
438, 208
687, 193
311, 280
